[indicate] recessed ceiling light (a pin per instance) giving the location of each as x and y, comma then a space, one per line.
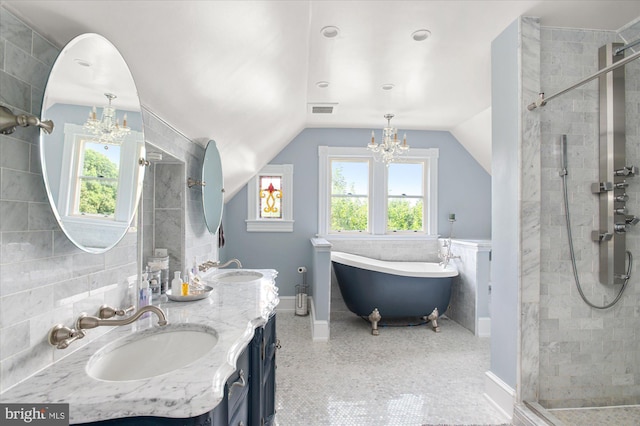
388, 86
322, 84
330, 31
82, 62
420, 35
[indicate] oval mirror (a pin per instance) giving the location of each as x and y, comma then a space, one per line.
213, 187
90, 162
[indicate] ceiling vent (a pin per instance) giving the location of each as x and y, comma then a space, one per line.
322, 108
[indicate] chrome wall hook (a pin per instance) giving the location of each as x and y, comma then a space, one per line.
9, 121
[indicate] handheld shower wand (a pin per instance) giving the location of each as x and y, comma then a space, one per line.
563, 155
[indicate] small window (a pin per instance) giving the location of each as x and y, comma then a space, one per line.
270, 200
349, 195
97, 179
270, 197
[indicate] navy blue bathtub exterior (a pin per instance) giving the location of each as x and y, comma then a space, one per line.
393, 295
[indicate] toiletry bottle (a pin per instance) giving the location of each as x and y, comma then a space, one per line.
176, 284
144, 298
185, 285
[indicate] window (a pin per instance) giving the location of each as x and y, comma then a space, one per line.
361, 196
349, 195
96, 187
270, 200
405, 196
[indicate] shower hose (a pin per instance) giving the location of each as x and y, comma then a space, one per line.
563, 174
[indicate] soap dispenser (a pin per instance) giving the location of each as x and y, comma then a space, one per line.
176, 284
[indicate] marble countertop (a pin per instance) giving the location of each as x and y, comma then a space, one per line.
235, 310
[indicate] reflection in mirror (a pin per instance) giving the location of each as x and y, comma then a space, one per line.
90, 162
212, 188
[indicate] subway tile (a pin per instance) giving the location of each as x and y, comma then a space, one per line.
21, 276
22, 186
41, 217
14, 31
12, 216
43, 50
15, 92
24, 67
14, 154
26, 304
21, 246
14, 339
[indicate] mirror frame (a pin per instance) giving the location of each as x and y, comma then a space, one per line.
86, 69
212, 188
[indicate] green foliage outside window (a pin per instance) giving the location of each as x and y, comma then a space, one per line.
350, 211
403, 216
99, 184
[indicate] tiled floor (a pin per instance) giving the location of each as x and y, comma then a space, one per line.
405, 376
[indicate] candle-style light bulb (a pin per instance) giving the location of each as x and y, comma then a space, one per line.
124, 121
373, 138
93, 113
404, 140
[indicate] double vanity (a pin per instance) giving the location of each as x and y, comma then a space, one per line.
213, 363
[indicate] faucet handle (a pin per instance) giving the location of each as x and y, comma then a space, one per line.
107, 311
62, 336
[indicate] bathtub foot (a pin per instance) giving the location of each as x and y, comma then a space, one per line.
433, 317
374, 318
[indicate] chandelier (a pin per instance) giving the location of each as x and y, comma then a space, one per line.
390, 147
107, 129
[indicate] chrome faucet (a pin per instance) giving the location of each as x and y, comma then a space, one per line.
216, 264
62, 336
85, 322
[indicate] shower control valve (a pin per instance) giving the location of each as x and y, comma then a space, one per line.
632, 220
598, 187
622, 198
626, 171
598, 237
621, 185
621, 210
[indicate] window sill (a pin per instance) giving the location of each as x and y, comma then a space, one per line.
270, 226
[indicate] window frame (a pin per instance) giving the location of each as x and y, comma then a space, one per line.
257, 224
378, 192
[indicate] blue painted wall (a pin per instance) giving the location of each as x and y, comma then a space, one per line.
505, 89
464, 189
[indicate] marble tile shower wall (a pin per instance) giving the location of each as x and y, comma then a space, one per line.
588, 357
44, 278
163, 213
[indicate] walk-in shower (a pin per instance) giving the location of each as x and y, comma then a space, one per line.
585, 357
615, 261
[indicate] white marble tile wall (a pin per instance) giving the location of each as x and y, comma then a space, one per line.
394, 250
44, 278
587, 357
470, 290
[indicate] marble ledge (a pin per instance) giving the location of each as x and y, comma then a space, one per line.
235, 310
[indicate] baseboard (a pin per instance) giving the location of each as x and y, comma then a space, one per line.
287, 303
484, 327
499, 394
319, 328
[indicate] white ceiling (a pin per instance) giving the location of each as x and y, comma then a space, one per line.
243, 72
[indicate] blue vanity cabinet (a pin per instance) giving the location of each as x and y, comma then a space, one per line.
237, 391
263, 379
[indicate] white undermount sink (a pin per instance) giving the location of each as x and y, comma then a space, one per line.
238, 276
152, 352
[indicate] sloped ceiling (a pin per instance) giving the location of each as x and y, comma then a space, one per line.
244, 72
